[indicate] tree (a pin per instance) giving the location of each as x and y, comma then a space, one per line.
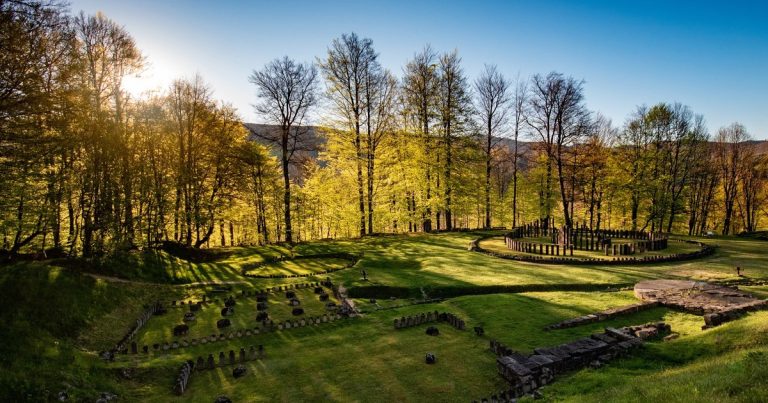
704, 181
519, 113
595, 152
752, 193
559, 117
351, 70
259, 171
109, 54
420, 92
493, 105
380, 97
36, 66
286, 90
729, 157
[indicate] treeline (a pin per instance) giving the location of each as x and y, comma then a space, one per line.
86, 169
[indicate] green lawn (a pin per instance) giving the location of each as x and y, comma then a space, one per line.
160, 328
56, 319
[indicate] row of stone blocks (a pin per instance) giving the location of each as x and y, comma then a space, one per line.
527, 373
182, 379
252, 293
270, 326
705, 250
188, 367
232, 358
429, 317
732, 313
603, 315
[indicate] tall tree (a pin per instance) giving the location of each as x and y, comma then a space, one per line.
559, 117
493, 101
420, 91
380, 98
109, 54
519, 113
286, 90
729, 157
349, 67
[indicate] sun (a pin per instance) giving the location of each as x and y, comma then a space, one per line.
154, 78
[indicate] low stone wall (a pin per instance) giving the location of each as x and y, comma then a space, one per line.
603, 315
270, 326
429, 317
154, 309
185, 372
732, 313
527, 373
248, 293
231, 358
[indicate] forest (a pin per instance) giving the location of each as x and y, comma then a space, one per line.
347, 148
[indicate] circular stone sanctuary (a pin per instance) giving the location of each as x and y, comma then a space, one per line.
543, 242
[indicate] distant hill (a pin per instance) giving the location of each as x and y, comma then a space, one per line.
314, 142
306, 151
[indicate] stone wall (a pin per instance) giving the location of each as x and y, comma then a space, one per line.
527, 373
603, 315
429, 317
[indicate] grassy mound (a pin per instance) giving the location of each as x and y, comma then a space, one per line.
52, 326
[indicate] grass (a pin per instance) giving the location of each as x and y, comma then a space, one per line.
299, 267
160, 328
56, 319
725, 364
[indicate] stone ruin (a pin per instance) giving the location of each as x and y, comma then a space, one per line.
527, 373
185, 372
603, 315
429, 317
718, 304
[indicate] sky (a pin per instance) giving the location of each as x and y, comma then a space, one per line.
711, 56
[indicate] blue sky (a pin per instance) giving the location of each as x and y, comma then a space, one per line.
712, 56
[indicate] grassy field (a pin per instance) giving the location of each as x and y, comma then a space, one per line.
57, 317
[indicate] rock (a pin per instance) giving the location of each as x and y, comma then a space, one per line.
107, 396
430, 358
222, 323
262, 316
222, 399
227, 311
63, 396
239, 371
433, 331
671, 336
180, 330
